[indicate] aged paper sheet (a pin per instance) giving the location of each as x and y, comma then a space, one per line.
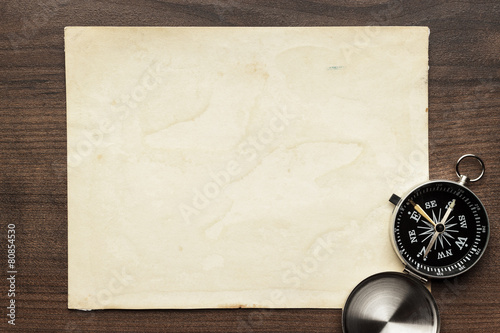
238, 167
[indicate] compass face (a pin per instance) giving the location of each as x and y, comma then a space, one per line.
440, 229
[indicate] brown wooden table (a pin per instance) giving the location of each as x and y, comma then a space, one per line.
464, 117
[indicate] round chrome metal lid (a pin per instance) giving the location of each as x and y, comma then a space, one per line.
390, 302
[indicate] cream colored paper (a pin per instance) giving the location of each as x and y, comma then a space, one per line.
238, 167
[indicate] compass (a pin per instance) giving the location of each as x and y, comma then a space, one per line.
439, 229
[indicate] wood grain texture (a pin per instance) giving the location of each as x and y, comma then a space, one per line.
464, 117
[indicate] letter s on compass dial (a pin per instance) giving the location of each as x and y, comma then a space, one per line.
440, 229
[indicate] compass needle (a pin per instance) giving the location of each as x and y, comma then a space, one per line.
448, 211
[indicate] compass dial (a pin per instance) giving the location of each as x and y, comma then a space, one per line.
440, 229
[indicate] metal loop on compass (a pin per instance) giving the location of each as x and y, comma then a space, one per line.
480, 162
